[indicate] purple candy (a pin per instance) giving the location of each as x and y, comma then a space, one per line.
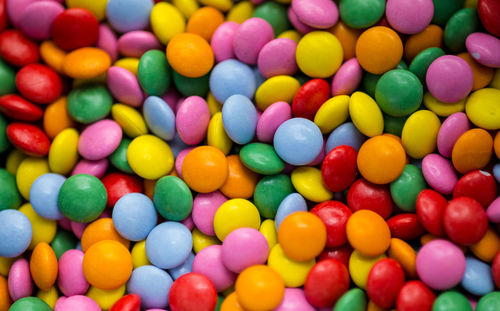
277, 57
38, 26
107, 41
484, 48
136, 43
439, 173
347, 78
124, 86
449, 78
451, 129
316, 13
249, 39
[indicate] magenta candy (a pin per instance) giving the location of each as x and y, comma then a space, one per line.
188, 222
222, 41
124, 86
99, 140
440, 264
95, 168
300, 26
107, 41
449, 132
484, 48
171, 98
15, 9
439, 173
180, 159
249, 39
19, 280
244, 247
449, 78
347, 78
78, 303
71, 280
271, 119
38, 26
192, 120
77, 228
204, 207
409, 16
277, 57
136, 43
64, 223
316, 13
493, 211
208, 262
295, 299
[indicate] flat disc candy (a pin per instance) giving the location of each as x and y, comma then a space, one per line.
173, 198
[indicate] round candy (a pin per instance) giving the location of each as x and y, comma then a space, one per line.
354, 300
319, 54
366, 114
485, 10
327, 281
472, 150
316, 13
234, 214
172, 198
334, 215
39, 83
28, 138
481, 101
477, 278
449, 78
192, 119
101, 229
241, 181
259, 288
361, 13
89, 103
75, 28
63, 152
449, 132
488, 302
292, 272
276, 89
270, 192
86, 63
277, 57
385, 280
484, 49
205, 169
244, 247
250, 37
30, 304
204, 22
293, 202
168, 245
405, 189
204, 207
191, 292
99, 140
124, 86
414, 295
479, 185
36, 25
121, 18
43, 266
409, 17
374, 238
134, 216
159, 161
154, 72
430, 207
239, 117
208, 262
365, 195
222, 41
348, 78
190, 55
232, 77
346, 134
166, 21
136, 43
159, 117
419, 134
292, 299
17, 50
44, 193
451, 300
71, 280
9, 197
15, 234
465, 221
261, 158
150, 296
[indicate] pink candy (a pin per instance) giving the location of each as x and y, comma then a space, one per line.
192, 120
439, 173
71, 280
409, 16
449, 132
347, 78
250, 38
222, 41
244, 247
124, 86
271, 119
77, 303
449, 78
277, 57
19, 281
95, 168
209, 263
136, 43
205, 205
484, 48
99, 140
36, 25
316, 13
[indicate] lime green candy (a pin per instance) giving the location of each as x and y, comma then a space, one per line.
489, 302
4, 141
82, 198
30, 304
7, 78
119, 157
451, 300
353, 300
154, 73
444, 9
459, 27
62, 242
399, 92
361, 13
173, 198
9, 195
394, 125
405, 189
274, 13
269, 193
423, 60
89, 103
261, 158
192, 86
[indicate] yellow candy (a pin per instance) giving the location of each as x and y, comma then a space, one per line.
359, 267
319, 54
96, 7
217, 136
420, 132
222, 5
14, 159
44, 230
29, 170
49, 296
129, 63
240, 12
308, 182
332, 113
63, 152
403, 253
487, 247
440, 108
52, 55
150, 157
268, 230
139, 257
277, 88
106, 298
483, 108
202, 240
366, 114
234, 214
213, 105
495, 82
293, 273
167, 21
186, 7
471, 4
5, 264
86, 63
129, 119
292, 35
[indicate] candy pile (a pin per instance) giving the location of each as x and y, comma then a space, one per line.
288, 155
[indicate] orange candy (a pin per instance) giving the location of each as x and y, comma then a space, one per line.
487, 247
379, 49
302, 236
101, 229
431, 36
482, 74
241, 181
149, 187
4, 295
52, 55
368, 233
259, 288
43, 266
205, 169
496, 144
472, 151
190, 55
204, 22
347, 37
231, 303
403, 253
56, 118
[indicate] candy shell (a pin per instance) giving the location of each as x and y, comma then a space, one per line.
451, 129
439, 173
19, 280
193, 110
484, 48
316, 13
99, 140
124, 86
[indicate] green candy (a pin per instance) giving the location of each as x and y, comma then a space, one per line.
220, 300
361, 13
353, 300
82, 198
30, 304
423, 60
9, 195
489, 302
172, 198
7, 78
62, 242
459, 27
444, 9
370, 83
405, 189
119, 157
192, 86
276, 14
451, 300
399, 92
4, 140
394, 125
154, 73
402, 65
269, 193
261, 158
89, 103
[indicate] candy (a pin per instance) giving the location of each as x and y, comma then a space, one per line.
415, 295
259, 287
75, 28
150, 296
319, 54
232, 77
192, 292
277, 57
208, 262
190, 55
120, 20
18, 50
276, 89
63, 152
242, 248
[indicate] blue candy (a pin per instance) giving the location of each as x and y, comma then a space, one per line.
184, 268
292, 203
128, 15
345, 134
477, 278
152, 285
43, 195
134, 216
159, 117
169, 244
239, 117
15, 233
232, 77
496, 172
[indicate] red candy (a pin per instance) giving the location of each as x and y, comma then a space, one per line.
415, 296
17, 49
385, 280
405, 226
39, 83
326, 282
16, 107
464, 221
75, 28
309, 98
495, 269
479, 185
192, 292
365, 195
3, 15
119, 184
430, 207
29, 139
342, 254
131, 302
339, 168
334, 215
488, 14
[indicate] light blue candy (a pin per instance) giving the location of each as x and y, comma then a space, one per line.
477, 278
496, 172
159, 117
259, 79
152, 285
346, 134
232, 77
239, 117
298, 141
43, 195
79, 246
15, 233
134, 216
128, 15
168, 245
177, 145
292, 203
184, 268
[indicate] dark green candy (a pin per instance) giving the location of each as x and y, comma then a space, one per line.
30, 304
361, 13
274, 13
269, 193
402, 65
119, 157
394, 125
9, 195
89, 103
261, 158
154, 73
7, 78
62, 242
370, 82
423, 60
451, 301
459, 27
220, 300
4, 141
489, 302
82, 198
405, 189
192, 86
173, 198
353, 300
444, 9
